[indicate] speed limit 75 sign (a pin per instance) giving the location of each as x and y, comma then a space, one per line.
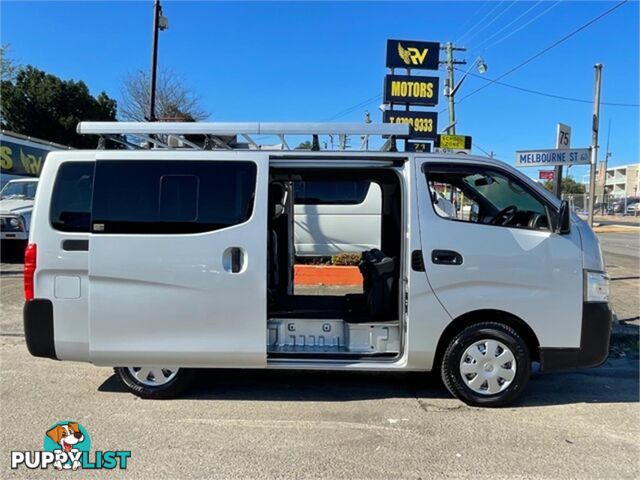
563, 137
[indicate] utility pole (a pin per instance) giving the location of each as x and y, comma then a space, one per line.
607, 155
365, 138
450, 84
595, 124
160, 22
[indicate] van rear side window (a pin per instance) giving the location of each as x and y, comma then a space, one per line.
71, 199
330, 193
167, 197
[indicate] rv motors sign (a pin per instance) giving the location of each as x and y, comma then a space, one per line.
412, 54
411, 90
20, 157
423, 124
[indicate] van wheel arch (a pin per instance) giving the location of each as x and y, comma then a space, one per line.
486, 315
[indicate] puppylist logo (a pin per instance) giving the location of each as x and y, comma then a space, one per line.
67, 446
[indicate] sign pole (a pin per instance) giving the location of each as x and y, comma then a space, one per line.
563, 142
452, 112
594, 140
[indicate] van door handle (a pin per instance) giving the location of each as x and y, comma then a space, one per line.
233, 259
446, 257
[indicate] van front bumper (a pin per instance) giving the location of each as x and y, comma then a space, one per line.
594, 342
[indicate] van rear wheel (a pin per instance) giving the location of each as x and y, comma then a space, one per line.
154, 382
487, 364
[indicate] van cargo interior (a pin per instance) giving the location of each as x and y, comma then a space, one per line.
334, 326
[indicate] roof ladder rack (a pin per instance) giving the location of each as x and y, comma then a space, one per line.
161, 135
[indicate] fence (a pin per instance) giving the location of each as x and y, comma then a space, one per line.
609, 205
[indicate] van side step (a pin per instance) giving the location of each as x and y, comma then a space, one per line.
327, 356
330, 336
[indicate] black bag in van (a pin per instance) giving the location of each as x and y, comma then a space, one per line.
378, 273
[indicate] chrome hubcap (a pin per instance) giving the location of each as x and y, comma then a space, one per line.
153, 376
488, 367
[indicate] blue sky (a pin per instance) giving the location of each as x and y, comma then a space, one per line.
304, 61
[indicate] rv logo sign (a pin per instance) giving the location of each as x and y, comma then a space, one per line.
67, 446
413, 54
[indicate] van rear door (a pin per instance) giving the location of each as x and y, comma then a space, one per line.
177, 261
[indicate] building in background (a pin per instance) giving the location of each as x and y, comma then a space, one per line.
623, 181
618, 182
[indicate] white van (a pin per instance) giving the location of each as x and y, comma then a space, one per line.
162, 261
336, 217
16, 204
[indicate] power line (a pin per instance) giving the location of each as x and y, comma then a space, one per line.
353, 108
470, 18
487, 25
497, 32
523, 26
479, 22
481, 149
545, 50
551, 95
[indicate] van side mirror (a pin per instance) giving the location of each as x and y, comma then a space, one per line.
563, 222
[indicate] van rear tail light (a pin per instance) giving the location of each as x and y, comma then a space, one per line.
30, 254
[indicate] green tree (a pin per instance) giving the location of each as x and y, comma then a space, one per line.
306, 145
569, 185
44, 106
8, 67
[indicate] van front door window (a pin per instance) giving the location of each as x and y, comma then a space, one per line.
486, 196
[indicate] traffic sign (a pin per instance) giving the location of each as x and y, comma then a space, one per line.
563, 136
546, 174
535, 158
454, 142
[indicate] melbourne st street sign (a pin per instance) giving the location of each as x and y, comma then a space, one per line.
536, 158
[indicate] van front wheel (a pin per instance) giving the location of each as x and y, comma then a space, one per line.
487, 364
154, 382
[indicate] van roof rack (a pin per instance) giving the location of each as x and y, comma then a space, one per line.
215, 135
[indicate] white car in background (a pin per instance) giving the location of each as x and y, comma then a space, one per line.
16, 204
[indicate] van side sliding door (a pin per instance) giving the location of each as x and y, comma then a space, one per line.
177, 260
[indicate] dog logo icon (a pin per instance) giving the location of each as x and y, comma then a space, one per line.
70, 439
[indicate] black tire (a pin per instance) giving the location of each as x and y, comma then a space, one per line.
172, 389
450, 368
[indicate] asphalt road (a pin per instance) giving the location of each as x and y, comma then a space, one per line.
622, 256
583, 424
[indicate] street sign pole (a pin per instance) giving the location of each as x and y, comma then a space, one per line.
563, 141
594, 140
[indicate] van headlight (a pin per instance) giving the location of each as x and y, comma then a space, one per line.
596, 287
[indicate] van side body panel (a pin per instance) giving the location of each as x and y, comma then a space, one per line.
60, 271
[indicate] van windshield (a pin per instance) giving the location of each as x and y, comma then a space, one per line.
22, 190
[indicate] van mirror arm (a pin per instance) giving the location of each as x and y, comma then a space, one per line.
563, 219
